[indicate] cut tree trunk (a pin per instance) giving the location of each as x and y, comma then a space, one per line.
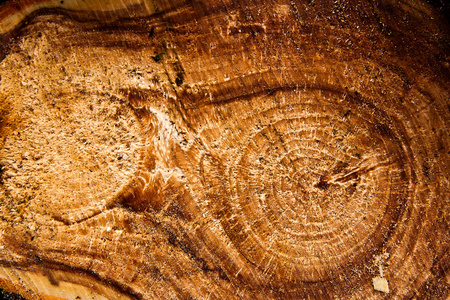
226, 149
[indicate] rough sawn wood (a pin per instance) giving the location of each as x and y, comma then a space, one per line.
224, 149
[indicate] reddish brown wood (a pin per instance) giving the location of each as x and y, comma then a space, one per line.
224, 150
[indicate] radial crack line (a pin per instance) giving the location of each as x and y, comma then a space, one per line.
340, 178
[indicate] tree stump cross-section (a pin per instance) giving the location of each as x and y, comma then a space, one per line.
224, 149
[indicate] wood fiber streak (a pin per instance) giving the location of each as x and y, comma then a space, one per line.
224, 149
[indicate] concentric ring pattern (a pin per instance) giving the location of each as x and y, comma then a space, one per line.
315, 182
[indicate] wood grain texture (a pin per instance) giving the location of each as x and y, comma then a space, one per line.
224, 150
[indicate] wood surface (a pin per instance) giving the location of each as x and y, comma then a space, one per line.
203, 149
